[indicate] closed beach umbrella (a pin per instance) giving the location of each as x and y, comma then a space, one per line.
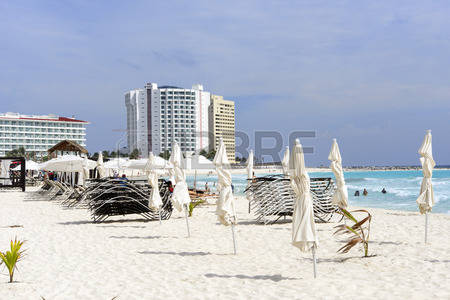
249, 177
100, 168
225, 204
426, 197
85, 173
152, 175
180, 195
340, 197
285, 162
250, 165
304, 234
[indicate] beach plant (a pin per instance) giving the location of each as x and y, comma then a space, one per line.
358, 233
193, 205
12, 257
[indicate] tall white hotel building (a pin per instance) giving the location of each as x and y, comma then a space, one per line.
157, 116
38, 133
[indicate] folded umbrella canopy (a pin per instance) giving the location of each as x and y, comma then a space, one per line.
152, 174
100, 168
249, 178
85, 173
225, 204
225, 210
304, 234
250, 165
180, 195
340, 197
425, 200
285, 162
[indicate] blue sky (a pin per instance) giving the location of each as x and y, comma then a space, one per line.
374, 74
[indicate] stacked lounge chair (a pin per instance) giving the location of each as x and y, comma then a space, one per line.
272, 197
113, 197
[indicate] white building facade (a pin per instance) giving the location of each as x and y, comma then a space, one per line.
158, 116
37, 134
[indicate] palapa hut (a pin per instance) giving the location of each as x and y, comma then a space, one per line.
66, 147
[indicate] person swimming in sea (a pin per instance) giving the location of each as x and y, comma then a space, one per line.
365, 192
383, 191
357, 194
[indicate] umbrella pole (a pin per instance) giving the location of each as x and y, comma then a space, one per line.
426, 227
313, 250
234, 238
187, 221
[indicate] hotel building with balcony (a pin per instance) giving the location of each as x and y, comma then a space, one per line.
158, 116
36, 134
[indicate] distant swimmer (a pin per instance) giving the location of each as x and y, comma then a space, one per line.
357, 194
383, 191
365, 192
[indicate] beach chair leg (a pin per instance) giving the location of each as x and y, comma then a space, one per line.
313, 250
187, 221
159, 213
248, 206
234, 238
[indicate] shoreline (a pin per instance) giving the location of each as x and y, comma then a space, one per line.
309, 170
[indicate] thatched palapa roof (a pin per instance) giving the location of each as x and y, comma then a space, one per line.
69, 146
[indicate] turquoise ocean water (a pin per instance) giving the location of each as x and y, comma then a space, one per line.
402, 188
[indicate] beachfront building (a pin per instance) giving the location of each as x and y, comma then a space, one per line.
222, 125
36, 134
158, 116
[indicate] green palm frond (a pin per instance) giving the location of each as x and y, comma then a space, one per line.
12, 257
194, 204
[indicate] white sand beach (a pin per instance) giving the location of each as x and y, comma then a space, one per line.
69, 257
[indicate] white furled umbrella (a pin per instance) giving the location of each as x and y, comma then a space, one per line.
180, 195
426, 197
249, 177
304, 234
285, 162
340, 197
225, 210
250, 165
100, 168
152, 175
85, 173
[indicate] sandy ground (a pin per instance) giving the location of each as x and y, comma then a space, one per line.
68, 257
